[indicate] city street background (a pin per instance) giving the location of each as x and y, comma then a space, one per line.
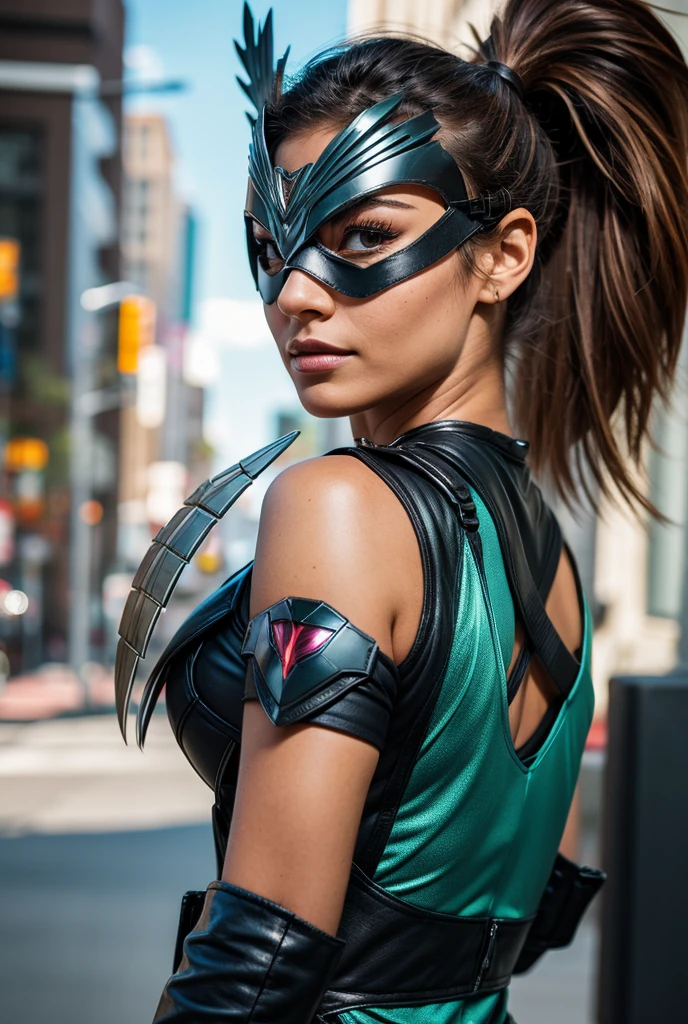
135, 362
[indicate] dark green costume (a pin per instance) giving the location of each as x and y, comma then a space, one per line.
478, 827
460, 831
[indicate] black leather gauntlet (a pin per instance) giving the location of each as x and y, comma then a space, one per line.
249, 959
569, 891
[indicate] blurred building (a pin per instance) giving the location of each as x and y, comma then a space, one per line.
634, 571
163, 454
149, 228
443, 21
60, 119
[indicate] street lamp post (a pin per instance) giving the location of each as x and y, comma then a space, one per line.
88, 402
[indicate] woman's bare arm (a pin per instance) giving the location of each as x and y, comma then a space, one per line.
330, 530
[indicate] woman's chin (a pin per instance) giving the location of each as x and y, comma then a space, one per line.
326, 401
326, 410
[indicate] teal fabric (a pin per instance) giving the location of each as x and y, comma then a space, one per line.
477, 830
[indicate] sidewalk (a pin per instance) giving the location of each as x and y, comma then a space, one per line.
55, 690
76, 775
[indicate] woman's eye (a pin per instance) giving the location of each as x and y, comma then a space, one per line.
268, 254
364, 239
268, 249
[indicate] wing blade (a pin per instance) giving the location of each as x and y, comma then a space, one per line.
171, 550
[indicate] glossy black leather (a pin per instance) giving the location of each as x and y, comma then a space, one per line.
569, 891
398, 954
249, 959
529, 535
315, 678
476, 449
366, 711
205, 680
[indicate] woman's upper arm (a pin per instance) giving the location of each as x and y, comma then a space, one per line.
301, 788
327, 532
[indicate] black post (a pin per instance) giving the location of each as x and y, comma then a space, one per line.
644, 954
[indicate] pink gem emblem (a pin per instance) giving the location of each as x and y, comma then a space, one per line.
295, 640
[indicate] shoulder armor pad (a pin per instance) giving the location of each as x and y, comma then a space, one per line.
171, 550
303, 656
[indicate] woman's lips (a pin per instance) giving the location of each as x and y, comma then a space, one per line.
317, 362
313, 356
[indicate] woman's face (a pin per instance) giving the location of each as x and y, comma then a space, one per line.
346, 355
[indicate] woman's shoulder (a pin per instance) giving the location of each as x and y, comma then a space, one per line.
333, 475
324, 472
332, 493
331, 530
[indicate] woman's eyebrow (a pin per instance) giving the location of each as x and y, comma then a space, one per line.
368, 203
365, 204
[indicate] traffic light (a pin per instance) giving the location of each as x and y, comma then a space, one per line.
26, 453
136, 330
26, 458
9, 269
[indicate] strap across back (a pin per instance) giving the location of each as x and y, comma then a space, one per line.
452, 454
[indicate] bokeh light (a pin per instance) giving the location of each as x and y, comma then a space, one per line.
16, 602
91, 513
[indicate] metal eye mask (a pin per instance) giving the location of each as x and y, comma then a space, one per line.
370, 154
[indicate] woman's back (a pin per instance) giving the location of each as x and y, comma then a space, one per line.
479, 823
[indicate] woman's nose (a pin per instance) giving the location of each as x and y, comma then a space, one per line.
304, 298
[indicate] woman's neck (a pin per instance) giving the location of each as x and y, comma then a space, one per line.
478, 397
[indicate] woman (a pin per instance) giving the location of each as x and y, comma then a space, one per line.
411, 641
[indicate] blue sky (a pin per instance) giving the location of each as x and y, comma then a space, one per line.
193, 41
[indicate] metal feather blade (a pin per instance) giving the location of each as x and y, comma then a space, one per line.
257, 57
369, 139
262, 173
125, 670
357, 133
172, 549
379, 143
149, 698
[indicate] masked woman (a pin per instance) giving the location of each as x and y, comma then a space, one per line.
391, 702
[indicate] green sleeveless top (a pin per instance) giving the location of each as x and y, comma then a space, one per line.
478, 828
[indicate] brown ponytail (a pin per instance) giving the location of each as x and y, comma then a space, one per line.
602, 333
598, 152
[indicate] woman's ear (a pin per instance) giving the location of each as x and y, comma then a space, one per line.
512, 255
